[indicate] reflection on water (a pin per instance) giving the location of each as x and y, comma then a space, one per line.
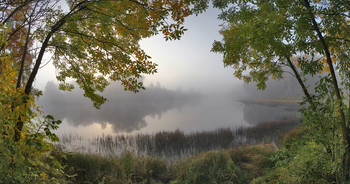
125, 111
177, 144
255, 112
156, 109
210, 113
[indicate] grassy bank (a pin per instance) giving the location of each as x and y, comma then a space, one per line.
227, 163
293, 163
238, 165
297, 159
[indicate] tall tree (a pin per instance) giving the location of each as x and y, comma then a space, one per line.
262, 38
93, 42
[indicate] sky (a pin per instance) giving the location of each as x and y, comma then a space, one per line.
186, 63
191, 91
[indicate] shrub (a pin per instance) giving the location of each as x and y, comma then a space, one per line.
92, 168
310, 163
253, 161
210, 167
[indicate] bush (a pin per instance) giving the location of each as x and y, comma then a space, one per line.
210, 167
309, 163
91, 168
253, 161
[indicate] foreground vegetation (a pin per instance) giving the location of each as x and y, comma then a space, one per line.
298, 159
295, 162
239, 165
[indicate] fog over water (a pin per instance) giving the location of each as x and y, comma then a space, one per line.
125, 111
155, 109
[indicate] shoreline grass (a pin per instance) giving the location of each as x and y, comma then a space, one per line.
236, 165
177, 144
222, 164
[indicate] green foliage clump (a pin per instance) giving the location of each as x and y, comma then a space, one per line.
209, 167
303, 160
143, 169
126, 169
24, 137
28, 160
253, 161
310, 164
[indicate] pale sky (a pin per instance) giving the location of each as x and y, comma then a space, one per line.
186, 63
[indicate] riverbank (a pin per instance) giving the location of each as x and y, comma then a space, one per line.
221, 163
237, 165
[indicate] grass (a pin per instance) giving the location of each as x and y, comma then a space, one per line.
256, 164
211, 157
89, 168
237, 165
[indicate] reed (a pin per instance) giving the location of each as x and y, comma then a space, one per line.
177, 144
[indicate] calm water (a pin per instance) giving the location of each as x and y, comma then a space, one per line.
154, 110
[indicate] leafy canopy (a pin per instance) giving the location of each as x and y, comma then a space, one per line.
100, 42
93, 41
259, 36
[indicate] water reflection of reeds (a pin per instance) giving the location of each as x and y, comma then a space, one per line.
177, 144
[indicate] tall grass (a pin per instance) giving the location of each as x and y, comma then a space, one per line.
177, 144
237, 165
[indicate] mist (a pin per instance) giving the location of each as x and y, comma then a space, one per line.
160, 109
125, 111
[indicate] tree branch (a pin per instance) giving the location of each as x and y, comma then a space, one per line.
25, 3
54, 28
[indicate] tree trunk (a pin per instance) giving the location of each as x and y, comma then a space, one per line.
344, 123
28, 87
27, 90
20, 74
302, 85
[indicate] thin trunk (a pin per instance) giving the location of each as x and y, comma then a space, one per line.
25, 49
28, 87
29, 84
54, 28
302, 85
344, 123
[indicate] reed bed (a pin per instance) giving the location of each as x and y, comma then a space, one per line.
177, 144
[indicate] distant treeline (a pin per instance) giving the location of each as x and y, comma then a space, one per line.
286, 88
177, 144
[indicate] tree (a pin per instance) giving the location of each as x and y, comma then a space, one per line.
263, 38
93, 42
24, 161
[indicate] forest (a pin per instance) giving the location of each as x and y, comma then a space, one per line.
93, 43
